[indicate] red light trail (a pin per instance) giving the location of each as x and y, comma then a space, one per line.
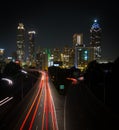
48, 117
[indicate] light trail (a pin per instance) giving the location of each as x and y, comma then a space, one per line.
4, 100
48, 107
45, 111
22, 126
10, 82
36, 109
7, 99
43, 119
52, 108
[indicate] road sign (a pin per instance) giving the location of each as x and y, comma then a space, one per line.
61, 87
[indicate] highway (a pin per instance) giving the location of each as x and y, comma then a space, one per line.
40, 112
43, 108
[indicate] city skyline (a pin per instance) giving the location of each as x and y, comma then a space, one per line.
56, 22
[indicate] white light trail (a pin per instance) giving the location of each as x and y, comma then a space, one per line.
7, 99
4, 100
10, 82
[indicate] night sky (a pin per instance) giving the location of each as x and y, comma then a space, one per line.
56, 22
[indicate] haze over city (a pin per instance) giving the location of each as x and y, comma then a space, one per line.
56, 22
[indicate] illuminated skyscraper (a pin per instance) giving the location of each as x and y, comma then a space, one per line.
78, 43
95, 37
78, 40
84, 55
2, 51
67, 57
57, 54
31, 45
20, 42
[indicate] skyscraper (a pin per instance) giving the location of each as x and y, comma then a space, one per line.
83, 54
78, 40
20, 42
56, 54
95, 37
78, 43
31, 45
2, 51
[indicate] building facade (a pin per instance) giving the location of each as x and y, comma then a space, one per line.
20, 42
31, 47
78, 40
2, 52
83, 55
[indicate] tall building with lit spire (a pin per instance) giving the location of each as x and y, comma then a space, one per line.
95, 39
31, 50
20, 42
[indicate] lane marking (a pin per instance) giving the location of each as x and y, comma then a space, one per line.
39, 114
36, 127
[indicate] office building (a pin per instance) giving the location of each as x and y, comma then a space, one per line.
20, 42
78, 40
95, 39
31, 46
